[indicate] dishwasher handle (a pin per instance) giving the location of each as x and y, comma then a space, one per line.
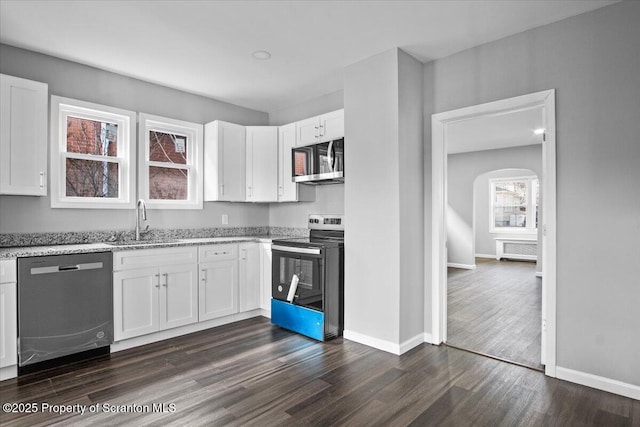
64, 268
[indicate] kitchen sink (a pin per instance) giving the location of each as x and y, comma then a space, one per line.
131, 242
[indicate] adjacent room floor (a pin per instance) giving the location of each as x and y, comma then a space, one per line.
496, 310
253, 373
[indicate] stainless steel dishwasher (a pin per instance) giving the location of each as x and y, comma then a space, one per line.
65, 309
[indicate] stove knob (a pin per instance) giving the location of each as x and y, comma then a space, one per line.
279, 288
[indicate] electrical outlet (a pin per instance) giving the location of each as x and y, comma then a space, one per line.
225, 219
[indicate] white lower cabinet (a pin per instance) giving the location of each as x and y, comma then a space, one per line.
265, 279
157, 297
218, 289
8, 314
249, 272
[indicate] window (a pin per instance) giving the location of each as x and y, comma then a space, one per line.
514, 205
91, 155
170, 163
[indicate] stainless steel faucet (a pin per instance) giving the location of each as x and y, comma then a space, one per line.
144, 218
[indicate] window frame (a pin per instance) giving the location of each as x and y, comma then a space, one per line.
61, 109
194, 134
531, 205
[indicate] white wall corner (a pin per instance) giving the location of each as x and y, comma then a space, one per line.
597, 382
411, 343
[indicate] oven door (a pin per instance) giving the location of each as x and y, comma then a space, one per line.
307, 264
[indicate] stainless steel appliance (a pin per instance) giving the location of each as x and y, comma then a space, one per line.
65, 307
321, 163
308, 280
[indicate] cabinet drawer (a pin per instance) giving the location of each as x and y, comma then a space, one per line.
7, 271
127, 260
217, 252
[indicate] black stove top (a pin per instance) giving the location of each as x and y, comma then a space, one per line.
317, 238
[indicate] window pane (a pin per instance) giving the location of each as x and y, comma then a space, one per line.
168, 184
167, 147
92, 137
510, 204
88, 178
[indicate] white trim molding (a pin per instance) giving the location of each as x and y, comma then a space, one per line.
384, 345
598, 382
485, 256
436, 285
463, 266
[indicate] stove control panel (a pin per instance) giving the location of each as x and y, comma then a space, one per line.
326, 222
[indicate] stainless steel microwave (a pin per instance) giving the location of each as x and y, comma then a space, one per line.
321, 163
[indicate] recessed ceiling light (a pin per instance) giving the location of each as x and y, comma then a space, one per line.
539, 131
262, 55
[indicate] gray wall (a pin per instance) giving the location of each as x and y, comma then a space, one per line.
329, 198
484, 239
372, 265
592, 60
384, 199
73, 80
462, 171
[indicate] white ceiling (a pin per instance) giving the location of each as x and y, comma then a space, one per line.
205, 47
511, 129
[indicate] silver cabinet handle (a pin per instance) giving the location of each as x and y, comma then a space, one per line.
41, 179
321, 130
166, 279
221, 189
158, 281
204, 275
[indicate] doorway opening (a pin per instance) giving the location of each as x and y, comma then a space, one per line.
444, 126
494, 305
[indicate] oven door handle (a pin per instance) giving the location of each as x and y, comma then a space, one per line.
296, 249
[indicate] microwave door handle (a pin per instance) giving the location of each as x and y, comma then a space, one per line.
330, 156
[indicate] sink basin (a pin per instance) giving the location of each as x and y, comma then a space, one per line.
141, 242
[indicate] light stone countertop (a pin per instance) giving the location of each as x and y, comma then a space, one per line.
29, 251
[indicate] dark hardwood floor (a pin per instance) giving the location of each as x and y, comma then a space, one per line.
253, 373
496, 310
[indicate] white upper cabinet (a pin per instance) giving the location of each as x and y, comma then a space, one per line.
23, 136
224, 162
320, 128
262, 164
287, 189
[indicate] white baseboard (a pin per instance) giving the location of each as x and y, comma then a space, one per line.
538, 273
182, 330
600, 383
428, 338
465, 266
8, 372
384, 345
486, 256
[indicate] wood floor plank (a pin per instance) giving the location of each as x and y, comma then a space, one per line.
496, 310
252, 373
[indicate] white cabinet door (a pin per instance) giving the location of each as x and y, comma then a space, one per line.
332, 125
262, 164
249, 283
287, 189
135, 300
224, 161
23, 136
218, 287
178, 295
265, 279
307, 131
8, 326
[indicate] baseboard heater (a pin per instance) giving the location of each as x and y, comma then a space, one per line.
516, 248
